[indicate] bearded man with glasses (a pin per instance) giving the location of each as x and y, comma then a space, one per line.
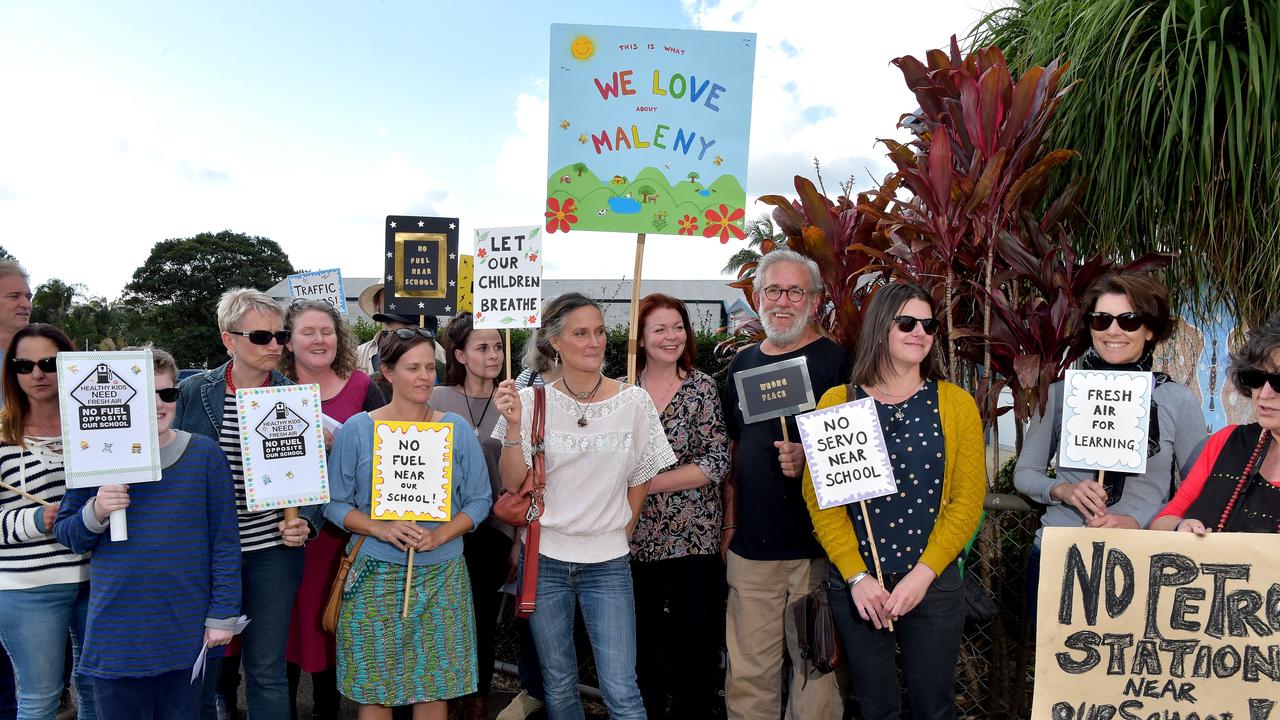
772, 557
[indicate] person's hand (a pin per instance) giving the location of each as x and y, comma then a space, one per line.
109, 499
908, 593
726, 537
1193, 525
791, 458
48, 515
429, 540
507, 400
328, 439
1087, 496
1114, 520
217, 638
869, 599
294, 532
400, 533
513, 559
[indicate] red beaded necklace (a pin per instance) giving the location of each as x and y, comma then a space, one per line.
1244, 478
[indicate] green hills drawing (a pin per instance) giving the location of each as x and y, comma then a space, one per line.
646, 203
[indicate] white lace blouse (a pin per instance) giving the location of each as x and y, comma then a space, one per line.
590, 467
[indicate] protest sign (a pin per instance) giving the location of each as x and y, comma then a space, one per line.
322, 285
844, 448
421, 265
466, 274
649, 130
1105, 418
412, 471
775, 390
282, 446
107, 402
1164, 625
508, 278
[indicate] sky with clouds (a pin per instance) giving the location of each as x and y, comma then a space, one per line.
126, 123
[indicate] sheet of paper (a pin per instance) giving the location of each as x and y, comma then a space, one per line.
197, 669
330, 424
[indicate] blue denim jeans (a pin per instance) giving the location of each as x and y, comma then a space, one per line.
167, 696
603, 590
927, 639
269, 579
33, 627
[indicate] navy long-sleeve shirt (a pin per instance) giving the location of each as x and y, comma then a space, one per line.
152, 595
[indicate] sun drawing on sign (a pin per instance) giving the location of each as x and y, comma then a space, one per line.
582, 48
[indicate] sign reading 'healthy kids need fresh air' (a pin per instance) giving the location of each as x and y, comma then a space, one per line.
649, 130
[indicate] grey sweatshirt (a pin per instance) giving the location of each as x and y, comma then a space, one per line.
1182, 433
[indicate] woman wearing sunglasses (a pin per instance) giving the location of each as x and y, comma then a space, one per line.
1234, 485
44, 588
1126, 316
934, 437
138, 651
252, 327
429, 656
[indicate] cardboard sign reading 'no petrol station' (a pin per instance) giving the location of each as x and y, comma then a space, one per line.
412, 471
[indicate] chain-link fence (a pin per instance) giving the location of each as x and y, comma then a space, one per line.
994, 675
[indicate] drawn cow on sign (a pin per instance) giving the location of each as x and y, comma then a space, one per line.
566, 179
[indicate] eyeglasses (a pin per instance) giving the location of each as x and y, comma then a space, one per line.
907, 323
1254, 378
23, 366
795, 295
1100, 321
264, 337
409, 333
169, 394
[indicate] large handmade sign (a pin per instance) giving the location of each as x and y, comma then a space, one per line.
648, 130
412, 471
1144, 624
1106, 415
322, 285
421, 275
107, 401
282, 446
844, 448
508, 277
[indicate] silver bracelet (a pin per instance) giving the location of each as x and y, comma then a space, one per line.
858, 578
511, 443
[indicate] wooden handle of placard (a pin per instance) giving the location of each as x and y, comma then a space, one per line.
290, 513
507, 346
632, 343
119, 526
408, 583
785, 436
26, 495
875, 552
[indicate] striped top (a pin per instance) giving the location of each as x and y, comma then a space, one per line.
179, 571
30, 556
257, 529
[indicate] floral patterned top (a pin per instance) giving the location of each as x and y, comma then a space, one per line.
687, 522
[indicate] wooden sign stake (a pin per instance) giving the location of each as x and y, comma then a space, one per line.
27, 495
632, 345
408, 583
785, 436
507, 348
875, 553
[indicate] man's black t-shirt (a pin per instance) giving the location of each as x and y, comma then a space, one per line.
773, 522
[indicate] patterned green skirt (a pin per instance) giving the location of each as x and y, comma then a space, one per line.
384, 659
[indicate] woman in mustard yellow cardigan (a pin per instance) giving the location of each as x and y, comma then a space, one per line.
934, 438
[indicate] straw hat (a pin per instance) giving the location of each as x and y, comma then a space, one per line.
366, 302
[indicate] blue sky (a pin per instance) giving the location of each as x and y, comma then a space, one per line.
127, 123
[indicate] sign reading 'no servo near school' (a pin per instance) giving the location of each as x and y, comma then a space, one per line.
1157, 625
508, 277
648, 130
1106, 415
844, 447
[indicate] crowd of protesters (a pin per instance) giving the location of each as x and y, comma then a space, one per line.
674, 532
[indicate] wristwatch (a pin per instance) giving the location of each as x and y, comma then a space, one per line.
858, 578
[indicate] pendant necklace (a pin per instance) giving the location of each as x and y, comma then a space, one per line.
582, 409
898, 415
476, 425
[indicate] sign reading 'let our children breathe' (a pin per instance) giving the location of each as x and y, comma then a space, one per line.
649, 130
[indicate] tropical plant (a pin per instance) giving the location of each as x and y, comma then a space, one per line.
758, 231
1176, 119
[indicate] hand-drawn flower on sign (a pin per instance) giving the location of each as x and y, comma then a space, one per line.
560, 217
688, 225
723, 223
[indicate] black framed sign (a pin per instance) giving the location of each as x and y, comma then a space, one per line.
421, 275
775, 390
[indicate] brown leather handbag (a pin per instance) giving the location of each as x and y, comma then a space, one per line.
523, 507
329, 621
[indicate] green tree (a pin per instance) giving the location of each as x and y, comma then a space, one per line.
1174, 116
579, 168
178, 287
52, 302
6, 255
693, 177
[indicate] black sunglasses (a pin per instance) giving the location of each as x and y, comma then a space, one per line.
23, 366
264, 337
1252, 379
409, 333
907, 323
1100, 321
169, 394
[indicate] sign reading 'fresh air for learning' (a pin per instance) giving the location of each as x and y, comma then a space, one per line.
1105, 419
